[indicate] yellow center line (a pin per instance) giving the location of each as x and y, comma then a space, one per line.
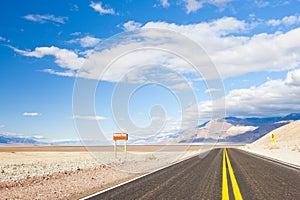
225, 195
236, 189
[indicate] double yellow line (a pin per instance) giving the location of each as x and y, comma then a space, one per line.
235, 187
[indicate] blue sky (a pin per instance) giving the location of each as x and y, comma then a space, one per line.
254, 46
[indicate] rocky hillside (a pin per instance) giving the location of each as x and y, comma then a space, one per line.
287, 136
233, 129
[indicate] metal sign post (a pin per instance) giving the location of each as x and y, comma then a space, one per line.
115, 148
120, 136
125, 148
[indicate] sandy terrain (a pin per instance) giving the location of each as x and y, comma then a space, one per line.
72, 172
286, 146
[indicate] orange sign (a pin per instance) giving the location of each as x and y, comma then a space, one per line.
120, 136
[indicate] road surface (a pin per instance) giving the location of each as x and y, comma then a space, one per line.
222, 174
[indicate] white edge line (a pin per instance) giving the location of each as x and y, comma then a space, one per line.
273, 159
152, 172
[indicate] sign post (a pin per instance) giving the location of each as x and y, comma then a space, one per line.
115, 148
125, 148
120, 136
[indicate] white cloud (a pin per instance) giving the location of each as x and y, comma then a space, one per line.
75, 34
38, 137
63, 57
148, 36
237, 55
261, 3
67, 73
131, 25
102, 9
160, 126
287, 21
210, 90
215, 28
2, 126
194, 5
272, 98
87, 41
232, 54
97, 118
129, 67
181, 86
31, 114
74, 7
164, 3
2, 39
293, 78
218, 3
45, 18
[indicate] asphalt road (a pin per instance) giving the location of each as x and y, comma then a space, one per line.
197, 178
259, 178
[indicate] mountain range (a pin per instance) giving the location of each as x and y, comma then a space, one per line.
234, 129
227, 130
18, 140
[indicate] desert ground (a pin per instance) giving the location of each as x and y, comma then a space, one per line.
74, 172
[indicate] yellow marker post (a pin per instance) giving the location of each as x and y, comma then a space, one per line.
273, 137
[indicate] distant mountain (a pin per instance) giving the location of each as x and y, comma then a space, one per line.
234, 129
251, 121
17, 140
27, 141
251, 136
66, 143
229, 130
293, 116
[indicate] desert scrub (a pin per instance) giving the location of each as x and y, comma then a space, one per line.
151, 157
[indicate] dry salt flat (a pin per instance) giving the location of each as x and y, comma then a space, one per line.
71, 175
